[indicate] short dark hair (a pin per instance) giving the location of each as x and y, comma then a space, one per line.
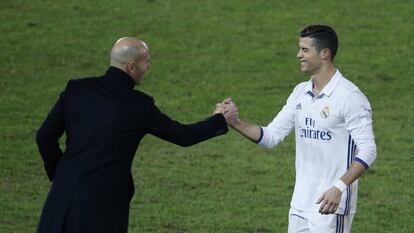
324, 37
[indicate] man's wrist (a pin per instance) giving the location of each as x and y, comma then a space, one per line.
235, 123
340, 185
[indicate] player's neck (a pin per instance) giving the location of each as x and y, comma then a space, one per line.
322, 78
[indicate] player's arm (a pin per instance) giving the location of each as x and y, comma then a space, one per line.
274, 133
331, 198
358, 121
354, 172
249, 130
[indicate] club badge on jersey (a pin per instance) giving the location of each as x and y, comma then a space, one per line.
325, 112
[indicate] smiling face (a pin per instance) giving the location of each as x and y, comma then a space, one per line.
310, 58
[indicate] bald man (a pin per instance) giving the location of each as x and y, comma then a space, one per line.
104, 119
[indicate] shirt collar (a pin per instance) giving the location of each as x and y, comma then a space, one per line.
119, 77
328, 89
309, 88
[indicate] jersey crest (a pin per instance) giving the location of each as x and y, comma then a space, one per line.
325, 112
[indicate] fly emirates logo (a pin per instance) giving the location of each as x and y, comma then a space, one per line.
309, 131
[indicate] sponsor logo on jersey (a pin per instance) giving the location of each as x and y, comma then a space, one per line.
365, 115
312, 132
325, 112
299, 107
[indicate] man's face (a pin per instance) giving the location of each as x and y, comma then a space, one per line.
141, 66
310, 59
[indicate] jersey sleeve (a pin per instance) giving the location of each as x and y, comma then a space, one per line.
282, 124
358, 120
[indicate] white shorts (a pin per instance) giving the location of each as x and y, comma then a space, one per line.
314, 222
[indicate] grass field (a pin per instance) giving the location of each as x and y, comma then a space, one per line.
202, 52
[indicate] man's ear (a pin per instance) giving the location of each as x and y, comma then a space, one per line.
325, 53
130, 67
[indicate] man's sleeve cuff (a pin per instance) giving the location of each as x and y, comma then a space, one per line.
361, 162
260, 137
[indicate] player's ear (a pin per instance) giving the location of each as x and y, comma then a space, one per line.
325, 53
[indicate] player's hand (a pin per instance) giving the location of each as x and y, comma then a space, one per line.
231, 113
330, 201
220, 108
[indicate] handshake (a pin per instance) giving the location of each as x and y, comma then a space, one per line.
229, 110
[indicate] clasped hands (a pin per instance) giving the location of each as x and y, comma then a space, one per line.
229, 110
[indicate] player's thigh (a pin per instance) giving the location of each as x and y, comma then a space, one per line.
297, 222
332, 223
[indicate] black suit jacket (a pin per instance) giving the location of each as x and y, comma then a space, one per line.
104, 120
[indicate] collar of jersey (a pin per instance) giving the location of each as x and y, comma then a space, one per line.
328, 89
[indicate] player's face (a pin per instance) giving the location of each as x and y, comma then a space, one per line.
310, 59
141, 66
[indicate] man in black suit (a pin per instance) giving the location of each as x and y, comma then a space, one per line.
104, 119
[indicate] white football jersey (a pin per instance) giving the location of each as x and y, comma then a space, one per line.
332, 129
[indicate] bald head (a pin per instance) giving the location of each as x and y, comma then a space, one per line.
127, 49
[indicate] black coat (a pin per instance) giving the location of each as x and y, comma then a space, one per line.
104, 120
